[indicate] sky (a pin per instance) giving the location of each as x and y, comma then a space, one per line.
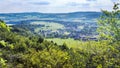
54, 6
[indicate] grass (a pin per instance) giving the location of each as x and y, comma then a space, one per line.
83, 45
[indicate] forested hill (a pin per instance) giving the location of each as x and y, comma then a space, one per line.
13, 17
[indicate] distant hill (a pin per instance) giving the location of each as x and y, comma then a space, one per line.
76, 25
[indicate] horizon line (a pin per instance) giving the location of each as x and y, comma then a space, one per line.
47, 12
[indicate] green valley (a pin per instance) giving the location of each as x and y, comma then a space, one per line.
36, 43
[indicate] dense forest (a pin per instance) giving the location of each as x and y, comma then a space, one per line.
21, 49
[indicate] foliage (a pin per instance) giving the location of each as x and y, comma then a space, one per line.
26, 52
51, 58
3, 26
2, 63
109, 24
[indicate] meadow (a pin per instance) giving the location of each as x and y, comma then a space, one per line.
82, 45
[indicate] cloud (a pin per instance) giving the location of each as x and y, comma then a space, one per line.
91, 0
54, 6
73, 4
40, 3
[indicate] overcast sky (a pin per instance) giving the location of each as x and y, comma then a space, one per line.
54, 6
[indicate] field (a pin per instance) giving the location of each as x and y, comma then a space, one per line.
83, 45
47, 26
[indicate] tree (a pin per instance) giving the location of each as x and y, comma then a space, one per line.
109, 24
3, 26
2, 63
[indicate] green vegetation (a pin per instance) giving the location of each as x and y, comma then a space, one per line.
110, 24
47, 26
3, 26
29, 51
71, 43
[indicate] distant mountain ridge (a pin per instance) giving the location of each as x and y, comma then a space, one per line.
11, 16
50, 13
